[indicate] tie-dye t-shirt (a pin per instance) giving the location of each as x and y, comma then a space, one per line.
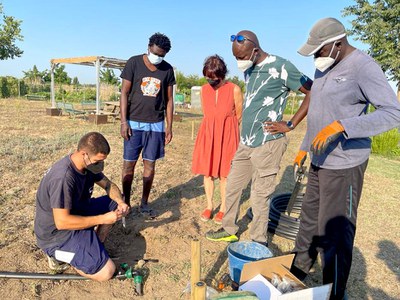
267, 87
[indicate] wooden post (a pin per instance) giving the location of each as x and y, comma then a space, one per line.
195, 260
192, 130
200, 291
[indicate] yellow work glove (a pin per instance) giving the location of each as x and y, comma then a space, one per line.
326, 136
298, 162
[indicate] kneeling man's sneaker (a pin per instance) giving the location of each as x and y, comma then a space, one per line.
57, 266
221, 235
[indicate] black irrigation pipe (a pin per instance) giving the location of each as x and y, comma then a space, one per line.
280, 223
26, 275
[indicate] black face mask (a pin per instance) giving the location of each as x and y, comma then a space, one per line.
96, 168
213, 82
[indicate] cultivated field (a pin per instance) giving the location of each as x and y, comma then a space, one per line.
31, 141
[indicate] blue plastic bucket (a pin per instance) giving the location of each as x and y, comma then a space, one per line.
243, 252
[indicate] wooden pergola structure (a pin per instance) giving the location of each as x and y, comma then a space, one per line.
94, 61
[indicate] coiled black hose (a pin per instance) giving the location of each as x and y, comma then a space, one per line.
280, 223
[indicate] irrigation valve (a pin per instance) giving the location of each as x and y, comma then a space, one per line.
136, 276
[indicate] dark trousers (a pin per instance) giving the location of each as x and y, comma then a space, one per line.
328, 223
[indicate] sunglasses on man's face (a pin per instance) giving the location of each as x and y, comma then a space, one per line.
240, 39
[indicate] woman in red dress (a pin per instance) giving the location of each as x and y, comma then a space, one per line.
218, 136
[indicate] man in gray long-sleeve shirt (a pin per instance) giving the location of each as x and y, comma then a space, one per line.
338, 130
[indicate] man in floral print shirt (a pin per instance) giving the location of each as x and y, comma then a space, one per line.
269, 79
267, 87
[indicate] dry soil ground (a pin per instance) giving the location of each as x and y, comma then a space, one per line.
31, 142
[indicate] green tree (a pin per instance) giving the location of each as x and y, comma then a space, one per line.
10, 32
378, 24
238, 82
46, 76
75, 81
9, 87
185, 83
180, 80
34, 76
108, 76
23, 88
60, 75
4, 90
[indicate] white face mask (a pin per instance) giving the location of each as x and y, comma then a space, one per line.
154, 59
243, 65
323, 63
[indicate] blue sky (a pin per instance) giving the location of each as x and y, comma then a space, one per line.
197, 29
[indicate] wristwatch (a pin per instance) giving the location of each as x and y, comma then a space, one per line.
290, 125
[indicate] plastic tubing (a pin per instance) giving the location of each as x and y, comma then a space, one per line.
26, 275
279, 222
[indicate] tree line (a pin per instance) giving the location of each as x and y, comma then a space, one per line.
35, 81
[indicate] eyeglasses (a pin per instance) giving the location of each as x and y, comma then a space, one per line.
240, 39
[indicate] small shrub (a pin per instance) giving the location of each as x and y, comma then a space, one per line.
114, 97
8, 87
386, 143
5, 91
293, 104
396, 152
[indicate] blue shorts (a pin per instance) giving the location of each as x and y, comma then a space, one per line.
95, 206
83, 250
148, 138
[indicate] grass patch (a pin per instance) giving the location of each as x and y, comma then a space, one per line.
387, 143
32, 141
30, 148
389, 171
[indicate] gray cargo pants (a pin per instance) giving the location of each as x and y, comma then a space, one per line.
260, 165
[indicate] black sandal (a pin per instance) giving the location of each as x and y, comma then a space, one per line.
147, 212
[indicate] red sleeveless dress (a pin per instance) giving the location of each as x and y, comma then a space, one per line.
218, 136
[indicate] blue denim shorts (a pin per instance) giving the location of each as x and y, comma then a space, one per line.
146, 138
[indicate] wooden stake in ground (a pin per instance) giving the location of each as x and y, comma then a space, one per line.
200, 290
192, 130
195, 272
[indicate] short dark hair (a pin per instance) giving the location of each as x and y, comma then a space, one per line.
215, 66
160, 40
94, 143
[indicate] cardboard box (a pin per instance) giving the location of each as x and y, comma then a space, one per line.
281, 266
262, 287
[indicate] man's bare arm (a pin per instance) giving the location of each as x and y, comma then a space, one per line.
169, 115
65, 221
111, 189
123, 102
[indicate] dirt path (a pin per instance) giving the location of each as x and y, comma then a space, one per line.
31, 142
